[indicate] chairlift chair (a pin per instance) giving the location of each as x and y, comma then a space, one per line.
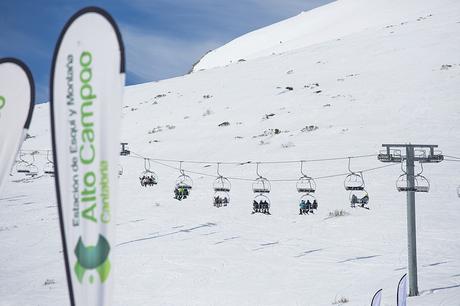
147, 177
354, 180
221, 183
402, 185
49, 169
261, 185
221, 188
32, 168
421, 183
458, 191
22, 165
359, 198
305, 184
49, 166
184, 181
183, 186
221, 199
307, 204
261, 204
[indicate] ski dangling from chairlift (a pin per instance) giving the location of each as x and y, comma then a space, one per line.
221, 188
354, 182
261, 187
49, 166
306, 186
147, 178
421, 183
183, 186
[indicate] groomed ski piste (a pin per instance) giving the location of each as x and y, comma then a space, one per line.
362, 73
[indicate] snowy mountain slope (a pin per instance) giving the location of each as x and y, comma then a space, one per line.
395, 84
330, 22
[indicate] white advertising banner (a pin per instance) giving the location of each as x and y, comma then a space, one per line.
402, 291
17, 95
87, 81
377, 299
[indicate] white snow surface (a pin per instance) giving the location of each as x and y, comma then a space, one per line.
334, 21
383, 81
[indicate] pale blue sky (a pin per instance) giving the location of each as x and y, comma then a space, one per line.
163, 38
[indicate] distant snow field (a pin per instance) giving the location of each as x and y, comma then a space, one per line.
336, 81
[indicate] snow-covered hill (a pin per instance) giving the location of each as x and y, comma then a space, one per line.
330, 22
385, 77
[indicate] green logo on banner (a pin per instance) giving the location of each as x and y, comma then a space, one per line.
2, 102
93, 258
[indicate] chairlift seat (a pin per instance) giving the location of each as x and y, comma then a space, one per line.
306, 190
222, 189
354, 181
422, 189
260, 190
354, 188
222, 184
404, 188
306, 184
261, 185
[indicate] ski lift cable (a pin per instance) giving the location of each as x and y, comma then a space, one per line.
162, 162
45, 152
452, 160
450, 156
251, 180
259, 162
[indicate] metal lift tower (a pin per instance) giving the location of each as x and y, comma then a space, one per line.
410, 153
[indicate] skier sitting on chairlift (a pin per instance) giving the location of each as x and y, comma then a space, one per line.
217, 201
180, 193
354, 200
314, 205
308, 208
303, 207
255, 206
265, 208
361, 202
